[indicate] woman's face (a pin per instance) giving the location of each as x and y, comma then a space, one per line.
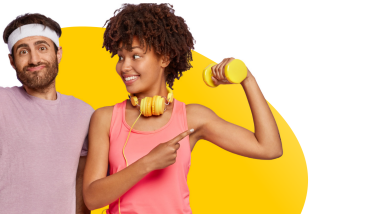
141, 70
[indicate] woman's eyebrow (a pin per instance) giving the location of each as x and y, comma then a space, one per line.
136, 47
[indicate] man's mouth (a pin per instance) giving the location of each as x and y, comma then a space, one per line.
37, 68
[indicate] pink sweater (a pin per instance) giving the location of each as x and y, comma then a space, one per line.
161, 191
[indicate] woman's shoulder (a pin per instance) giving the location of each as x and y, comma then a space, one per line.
198, 110
102, 115
198, 114
106, 111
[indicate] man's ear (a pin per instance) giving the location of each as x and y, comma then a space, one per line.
165, 60
59, 54
12, 61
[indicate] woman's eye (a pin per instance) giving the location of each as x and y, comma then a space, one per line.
120, 58
136, 56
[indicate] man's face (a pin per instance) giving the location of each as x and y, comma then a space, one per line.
36, 62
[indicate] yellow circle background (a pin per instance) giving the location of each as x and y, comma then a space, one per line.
219, 181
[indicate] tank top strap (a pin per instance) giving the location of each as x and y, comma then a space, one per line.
117, 119
181, 114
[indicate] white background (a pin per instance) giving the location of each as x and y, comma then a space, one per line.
317, 63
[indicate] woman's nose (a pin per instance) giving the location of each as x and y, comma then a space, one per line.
127, 65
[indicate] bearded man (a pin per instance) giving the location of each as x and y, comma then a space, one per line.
43, 134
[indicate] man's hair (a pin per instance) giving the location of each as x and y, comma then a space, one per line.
31, 18
156, 26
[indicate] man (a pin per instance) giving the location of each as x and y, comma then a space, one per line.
43, 134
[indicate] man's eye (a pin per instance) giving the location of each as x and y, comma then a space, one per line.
43, 48
23, 52
136, 56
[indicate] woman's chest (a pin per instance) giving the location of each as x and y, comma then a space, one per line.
147, 124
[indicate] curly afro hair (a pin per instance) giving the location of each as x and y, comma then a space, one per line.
156, 26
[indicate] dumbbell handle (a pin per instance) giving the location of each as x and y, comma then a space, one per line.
235, 72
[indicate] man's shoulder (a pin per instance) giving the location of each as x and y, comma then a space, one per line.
9, 91
76, 103
4, 90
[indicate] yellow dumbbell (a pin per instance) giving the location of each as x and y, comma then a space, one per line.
235, 72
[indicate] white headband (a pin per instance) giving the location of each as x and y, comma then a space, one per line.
31, 30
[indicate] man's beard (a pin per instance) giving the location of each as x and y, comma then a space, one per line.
33, 80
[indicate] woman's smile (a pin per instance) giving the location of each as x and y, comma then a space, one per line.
128, 80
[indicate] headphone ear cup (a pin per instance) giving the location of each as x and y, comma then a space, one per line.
154, 112
156, 105
142, 106
134, 100
170, 94
149, 106
170, 97
162, 105
153, 105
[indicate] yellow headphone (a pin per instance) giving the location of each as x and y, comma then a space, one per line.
152, 105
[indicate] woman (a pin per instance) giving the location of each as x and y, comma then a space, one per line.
154, 47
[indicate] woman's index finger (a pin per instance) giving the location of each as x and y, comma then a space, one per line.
180, 136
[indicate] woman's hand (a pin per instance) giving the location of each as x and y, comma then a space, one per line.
165, 154
219, 72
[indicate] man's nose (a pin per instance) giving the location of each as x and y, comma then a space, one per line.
34, 57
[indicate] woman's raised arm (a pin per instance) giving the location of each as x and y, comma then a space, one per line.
265, 143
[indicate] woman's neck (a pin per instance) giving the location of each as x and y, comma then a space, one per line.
162, 91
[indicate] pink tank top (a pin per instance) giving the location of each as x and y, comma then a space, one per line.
160, 191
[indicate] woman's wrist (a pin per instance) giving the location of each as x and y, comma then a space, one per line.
248, 80
145, 164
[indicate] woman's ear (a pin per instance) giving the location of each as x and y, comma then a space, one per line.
165, 60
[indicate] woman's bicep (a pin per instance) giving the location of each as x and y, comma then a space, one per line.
229, 136
97, 157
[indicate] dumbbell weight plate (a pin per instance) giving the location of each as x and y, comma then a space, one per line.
207, 76
235, 71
